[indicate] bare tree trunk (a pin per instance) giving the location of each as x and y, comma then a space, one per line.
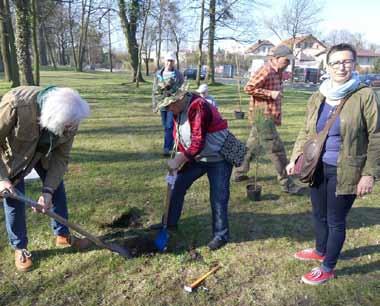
211, 40
7, 23
109, 40
147, 10
36, 55
23, 41
71, 21
6, 57
42, 46
50, 50
83, 34
200, 43
160, 17
129, 29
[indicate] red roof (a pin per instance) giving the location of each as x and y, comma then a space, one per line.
299, 39
367, 53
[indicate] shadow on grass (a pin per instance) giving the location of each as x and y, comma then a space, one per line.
360, 269
113, 156
361, 251
119, 130
196, 231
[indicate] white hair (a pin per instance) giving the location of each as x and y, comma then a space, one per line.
62, 106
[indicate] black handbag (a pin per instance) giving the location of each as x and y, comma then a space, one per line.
233, 150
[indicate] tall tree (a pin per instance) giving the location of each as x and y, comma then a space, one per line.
200, 43
36, 56
298, 17
145, 13
8, 43
129, 25
211, 39
23, 41
4, 44
159, 30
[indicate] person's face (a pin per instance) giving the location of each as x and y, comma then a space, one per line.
70, 129
340, 66
282, 62
169, 65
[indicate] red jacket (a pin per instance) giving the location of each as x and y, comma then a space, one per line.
203, 118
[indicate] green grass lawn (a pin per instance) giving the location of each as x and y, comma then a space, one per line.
117, 169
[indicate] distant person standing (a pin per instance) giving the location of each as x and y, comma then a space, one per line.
166, 77
203, 92
265, 88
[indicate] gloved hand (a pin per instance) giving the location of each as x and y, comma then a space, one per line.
171, 177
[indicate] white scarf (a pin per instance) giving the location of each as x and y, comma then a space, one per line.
339, 92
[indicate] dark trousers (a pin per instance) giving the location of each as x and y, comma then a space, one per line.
219, 174
167, 123
329, 215
15, 217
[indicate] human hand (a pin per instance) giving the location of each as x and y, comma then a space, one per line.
6, 185
44, 203
276, 94
365, 185
290, 168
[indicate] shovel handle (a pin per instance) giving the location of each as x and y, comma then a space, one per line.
53, 215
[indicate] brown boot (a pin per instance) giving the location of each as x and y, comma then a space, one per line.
23, 260
70, 240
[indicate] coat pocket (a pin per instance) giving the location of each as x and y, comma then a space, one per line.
352, 168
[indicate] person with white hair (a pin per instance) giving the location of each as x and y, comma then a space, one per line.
37, 129
167, 76
203, 92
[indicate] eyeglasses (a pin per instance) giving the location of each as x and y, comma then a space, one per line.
345, 63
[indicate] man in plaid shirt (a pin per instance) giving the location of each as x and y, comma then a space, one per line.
265, 89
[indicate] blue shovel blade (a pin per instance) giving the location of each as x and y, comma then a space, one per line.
161, 240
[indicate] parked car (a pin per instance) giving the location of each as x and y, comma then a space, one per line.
306, 75
191, 74
370, 79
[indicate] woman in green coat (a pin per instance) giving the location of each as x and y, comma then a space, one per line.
350, 159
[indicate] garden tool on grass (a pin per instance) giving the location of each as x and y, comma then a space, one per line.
162, 238
198, 281
110, 246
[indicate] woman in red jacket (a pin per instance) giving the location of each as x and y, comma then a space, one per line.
200, 132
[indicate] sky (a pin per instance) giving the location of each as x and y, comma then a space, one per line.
356, 16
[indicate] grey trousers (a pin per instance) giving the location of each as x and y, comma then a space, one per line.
265, 136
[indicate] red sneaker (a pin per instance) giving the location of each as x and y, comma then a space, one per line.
317, 276
309, 254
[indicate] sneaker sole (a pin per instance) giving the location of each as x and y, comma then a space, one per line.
306, 259
24, 269
314, 283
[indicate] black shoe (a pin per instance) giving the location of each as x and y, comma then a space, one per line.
216, 243
166, 153
241, 178
159, 226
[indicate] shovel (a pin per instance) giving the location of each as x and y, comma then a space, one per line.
110, 246
162, 237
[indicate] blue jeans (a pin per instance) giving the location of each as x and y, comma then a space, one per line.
218, 174
15, 219
167, 124
329, 215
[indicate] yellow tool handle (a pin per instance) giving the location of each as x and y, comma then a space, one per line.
201, 279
